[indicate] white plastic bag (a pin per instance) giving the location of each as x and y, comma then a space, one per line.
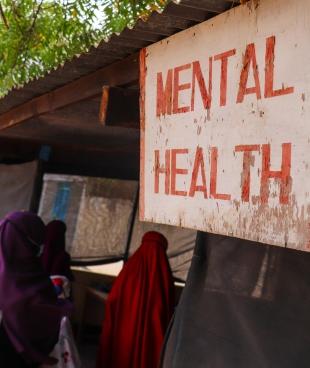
65, 350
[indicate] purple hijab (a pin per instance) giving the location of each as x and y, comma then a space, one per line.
31, 311
55, 259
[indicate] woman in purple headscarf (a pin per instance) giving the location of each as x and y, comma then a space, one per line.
31, 311
55, 259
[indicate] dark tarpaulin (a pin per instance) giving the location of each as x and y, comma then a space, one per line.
245, 305
17, 183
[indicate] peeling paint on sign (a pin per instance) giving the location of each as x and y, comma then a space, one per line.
225, 125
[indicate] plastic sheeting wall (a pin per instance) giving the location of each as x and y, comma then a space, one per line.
17, 183
98, 213
244, 305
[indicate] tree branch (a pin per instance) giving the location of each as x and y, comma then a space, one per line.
35, 17
3, 17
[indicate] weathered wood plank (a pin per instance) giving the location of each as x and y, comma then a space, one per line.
117, 74
119, 107
96, 137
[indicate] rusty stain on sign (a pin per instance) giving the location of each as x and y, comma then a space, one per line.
224, 125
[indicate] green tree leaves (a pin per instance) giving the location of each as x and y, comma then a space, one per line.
39, 35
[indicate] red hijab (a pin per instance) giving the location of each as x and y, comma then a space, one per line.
138, 309
30, 309
55, 259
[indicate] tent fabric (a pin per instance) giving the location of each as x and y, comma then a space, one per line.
17, 183
60, 200
181, 244
97, 211
244, 305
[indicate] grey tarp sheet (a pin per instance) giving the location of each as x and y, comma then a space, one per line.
17, 183
99, 212
245, 305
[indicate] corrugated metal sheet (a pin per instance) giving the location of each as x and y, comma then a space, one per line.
173, 19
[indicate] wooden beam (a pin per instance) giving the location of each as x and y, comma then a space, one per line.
119, 107
74, 161
117, 74
17, 149
104, 105
83, 114
95, 138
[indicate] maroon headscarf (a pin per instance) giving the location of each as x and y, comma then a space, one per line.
138, 309
55, 259
30, 308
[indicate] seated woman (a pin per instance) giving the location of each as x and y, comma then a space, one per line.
138, 309
55, 259
31, 311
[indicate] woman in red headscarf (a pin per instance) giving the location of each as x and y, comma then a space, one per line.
138, 309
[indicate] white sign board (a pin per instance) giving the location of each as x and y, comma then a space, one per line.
225, 125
